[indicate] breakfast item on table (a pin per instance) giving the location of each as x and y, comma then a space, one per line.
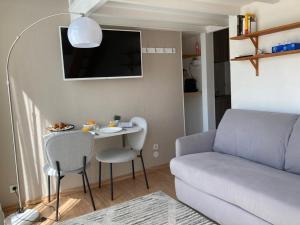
91, 122
90, 125
60, 126
85, 129
112, 124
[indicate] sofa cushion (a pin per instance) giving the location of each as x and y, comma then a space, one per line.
292, 156
258, 136
271, 194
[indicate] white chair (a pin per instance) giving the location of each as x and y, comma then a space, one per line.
68, 152
1, 216
119, 155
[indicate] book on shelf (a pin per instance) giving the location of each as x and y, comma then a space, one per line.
246, 24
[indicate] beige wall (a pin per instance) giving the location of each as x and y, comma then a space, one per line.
42, 97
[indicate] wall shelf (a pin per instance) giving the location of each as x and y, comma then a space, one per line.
267, 55
190, 56
254, 37
193, 93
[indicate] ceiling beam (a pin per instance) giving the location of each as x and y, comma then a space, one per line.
120, 14
141, 13
236, 2
106, 20
190, 6
86, 7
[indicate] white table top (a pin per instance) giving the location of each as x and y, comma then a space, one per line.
131, 130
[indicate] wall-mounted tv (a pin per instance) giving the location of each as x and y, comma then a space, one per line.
118, 56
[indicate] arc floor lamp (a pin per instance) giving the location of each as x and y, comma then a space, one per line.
83, 32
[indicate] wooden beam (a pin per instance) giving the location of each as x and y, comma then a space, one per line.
255, 63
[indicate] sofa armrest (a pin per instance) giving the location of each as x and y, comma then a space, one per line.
196, 143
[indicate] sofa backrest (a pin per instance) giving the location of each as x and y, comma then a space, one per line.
258, 136
292, 156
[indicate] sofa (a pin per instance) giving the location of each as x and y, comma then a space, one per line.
247, 172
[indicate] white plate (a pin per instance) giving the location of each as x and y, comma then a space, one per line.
110, 129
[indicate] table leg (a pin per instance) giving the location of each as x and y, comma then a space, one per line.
124, 140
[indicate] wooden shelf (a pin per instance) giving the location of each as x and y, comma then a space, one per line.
193, 93
267, 55
254, 37
268, 31
190, 56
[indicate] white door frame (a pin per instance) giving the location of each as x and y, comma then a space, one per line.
208, 81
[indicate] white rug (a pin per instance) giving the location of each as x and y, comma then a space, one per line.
153, 209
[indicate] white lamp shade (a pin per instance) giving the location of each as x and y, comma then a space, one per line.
84, 32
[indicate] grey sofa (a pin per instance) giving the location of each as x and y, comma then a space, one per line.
247, 172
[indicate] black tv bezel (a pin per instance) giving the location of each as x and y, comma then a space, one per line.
98, 77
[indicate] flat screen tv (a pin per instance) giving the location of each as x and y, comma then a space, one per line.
118, 56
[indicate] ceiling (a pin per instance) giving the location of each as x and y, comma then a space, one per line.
179, 15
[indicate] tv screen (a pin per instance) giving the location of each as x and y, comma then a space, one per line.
118, 56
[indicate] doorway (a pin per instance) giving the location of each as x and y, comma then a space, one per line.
221, 73
191, 63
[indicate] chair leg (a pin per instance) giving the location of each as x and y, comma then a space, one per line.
145, 175
49, 191
111, 183
83, 182
58, 189
133, 173
87, 182
99, 174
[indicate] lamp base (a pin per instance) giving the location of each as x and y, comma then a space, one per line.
29, 216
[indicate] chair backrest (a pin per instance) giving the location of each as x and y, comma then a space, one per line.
69, 148
136, 140
2, 217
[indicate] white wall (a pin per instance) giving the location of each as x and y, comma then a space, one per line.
42, 97
278, 86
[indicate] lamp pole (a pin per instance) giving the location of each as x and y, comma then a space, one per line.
27, 217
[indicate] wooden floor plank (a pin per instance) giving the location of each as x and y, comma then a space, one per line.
77, 204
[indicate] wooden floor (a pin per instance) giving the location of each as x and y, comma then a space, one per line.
77, 204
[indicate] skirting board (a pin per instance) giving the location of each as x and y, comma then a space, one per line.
12, 208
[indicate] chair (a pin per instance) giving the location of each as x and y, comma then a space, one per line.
68, 152
119, 155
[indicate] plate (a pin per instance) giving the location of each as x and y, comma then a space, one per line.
68, 127
109, 130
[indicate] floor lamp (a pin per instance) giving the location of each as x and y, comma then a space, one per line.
83, 32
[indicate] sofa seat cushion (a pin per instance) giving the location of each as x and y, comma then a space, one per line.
271, 194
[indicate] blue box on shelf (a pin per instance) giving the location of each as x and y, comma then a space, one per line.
291, 47
277, 48
286, 47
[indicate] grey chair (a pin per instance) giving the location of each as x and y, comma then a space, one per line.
119, 155
68, 152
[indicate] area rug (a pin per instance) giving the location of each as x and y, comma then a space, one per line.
153, 209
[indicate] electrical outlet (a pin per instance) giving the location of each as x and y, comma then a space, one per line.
155, 147
155, 154
13, 188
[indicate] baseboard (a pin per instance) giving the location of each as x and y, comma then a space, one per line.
69, 191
